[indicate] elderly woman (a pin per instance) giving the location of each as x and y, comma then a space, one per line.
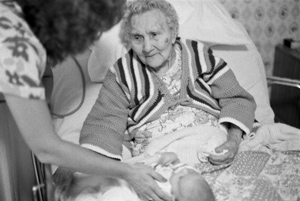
163, 84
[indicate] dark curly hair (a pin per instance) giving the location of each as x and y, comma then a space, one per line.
68, 27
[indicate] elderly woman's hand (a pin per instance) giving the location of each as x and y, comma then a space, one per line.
231, 145
142, 179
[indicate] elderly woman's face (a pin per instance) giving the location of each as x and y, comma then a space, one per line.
151, 39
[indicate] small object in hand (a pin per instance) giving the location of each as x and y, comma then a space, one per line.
203, 156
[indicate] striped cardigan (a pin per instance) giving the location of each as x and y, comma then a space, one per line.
133, 95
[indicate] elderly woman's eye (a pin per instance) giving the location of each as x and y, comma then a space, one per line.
137, 38
153, 34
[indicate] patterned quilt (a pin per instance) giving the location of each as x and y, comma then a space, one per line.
255, 176
266, 168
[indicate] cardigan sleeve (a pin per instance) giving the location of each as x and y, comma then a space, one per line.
104, 128
237, 105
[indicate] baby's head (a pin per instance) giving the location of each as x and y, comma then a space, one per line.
189, 185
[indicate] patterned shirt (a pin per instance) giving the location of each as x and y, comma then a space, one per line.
22, 57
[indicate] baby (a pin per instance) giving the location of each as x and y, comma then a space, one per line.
168, 155
189, 185
184, 182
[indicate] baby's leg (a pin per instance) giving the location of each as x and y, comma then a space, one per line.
121, 192
189, 185
162, 158
96, 188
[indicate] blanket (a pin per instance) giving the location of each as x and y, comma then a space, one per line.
267, 166
270, 137
191, 144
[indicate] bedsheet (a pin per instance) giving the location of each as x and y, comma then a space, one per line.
267, 167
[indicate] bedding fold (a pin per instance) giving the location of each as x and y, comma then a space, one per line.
268, 137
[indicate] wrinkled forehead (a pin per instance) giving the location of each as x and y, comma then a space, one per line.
153, 18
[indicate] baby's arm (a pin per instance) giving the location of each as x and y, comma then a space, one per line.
162, 158
168, 158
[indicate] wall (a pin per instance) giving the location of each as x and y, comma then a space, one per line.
267, 22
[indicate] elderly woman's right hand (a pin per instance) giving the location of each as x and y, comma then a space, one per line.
142, 177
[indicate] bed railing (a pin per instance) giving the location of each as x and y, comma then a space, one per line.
271, 80
285, 99
44, 188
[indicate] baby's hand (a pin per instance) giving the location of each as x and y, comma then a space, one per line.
168, 158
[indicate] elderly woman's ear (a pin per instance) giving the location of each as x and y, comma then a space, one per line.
174, 36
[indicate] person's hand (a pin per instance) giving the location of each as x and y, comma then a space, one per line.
142, 179
168, 158
231, 145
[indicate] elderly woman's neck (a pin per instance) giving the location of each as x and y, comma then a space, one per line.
168, 64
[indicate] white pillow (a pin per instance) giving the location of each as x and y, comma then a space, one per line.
104, 53
67, 96
207, 21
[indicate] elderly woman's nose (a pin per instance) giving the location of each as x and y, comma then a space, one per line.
147, 45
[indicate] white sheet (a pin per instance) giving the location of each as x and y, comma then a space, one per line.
270, 137
191, 144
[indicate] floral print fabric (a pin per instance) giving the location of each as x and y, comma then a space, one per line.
22, 57
256, 176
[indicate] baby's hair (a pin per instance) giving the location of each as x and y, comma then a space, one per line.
195, 188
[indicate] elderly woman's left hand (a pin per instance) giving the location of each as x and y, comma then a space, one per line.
231, 145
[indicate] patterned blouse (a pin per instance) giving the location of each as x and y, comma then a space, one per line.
22, 57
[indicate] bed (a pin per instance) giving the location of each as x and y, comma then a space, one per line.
267, 166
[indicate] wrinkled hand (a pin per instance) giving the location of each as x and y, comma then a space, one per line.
231, 146
142, 179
